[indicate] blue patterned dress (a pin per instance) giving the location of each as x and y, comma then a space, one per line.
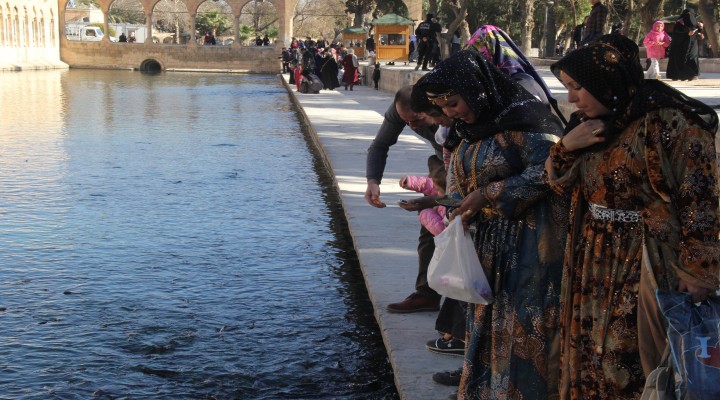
513, 344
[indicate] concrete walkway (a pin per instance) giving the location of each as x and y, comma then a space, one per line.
343, 124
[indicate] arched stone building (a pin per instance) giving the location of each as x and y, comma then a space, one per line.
29, 34
32, 31
285, 11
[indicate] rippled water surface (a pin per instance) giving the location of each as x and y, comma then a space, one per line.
171, 236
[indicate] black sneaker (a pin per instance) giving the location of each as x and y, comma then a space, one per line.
448, 378
453, 347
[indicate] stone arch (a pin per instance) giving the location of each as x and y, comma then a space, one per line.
41, 30
172, 17
259, 15
34, 29
75, 18
25, 31
16, 27
225, 11
127, 17
2, 26
151, 65
53, 29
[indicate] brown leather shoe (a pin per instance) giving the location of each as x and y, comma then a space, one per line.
414, 303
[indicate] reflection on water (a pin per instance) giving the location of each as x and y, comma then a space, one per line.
170, 236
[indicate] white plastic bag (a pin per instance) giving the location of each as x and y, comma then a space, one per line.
455, 269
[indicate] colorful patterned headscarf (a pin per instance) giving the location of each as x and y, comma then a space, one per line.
610, 70
498, 102
496, 45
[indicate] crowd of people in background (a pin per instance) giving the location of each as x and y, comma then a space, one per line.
315, 65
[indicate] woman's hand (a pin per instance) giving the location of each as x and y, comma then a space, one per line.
403, 182
584, 135
470, 206
698, 293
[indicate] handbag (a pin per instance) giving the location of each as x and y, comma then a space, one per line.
455, 270
690, 367
694, 339
658, 385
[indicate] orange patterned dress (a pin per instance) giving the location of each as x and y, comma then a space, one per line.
655, 185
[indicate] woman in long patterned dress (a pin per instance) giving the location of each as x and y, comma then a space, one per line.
501, 138
639, 159
350, 66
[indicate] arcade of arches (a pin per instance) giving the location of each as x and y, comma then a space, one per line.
30, 29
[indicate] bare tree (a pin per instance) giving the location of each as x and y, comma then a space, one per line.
126, 11
318, 18
171, 16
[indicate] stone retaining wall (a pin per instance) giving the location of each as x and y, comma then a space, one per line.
250, 59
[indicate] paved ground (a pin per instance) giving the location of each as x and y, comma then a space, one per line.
344, 123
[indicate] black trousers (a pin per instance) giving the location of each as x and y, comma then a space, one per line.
426, 248
452, 318
424, 53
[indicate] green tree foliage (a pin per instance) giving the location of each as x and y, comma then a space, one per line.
359, 8
390, 7
213, 21
246, 32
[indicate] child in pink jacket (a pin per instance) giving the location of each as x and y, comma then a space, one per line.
433, 219
656, 42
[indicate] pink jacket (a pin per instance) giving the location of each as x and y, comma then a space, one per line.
433, 219
653, 39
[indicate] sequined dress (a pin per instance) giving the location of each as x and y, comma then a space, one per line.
653, 183
512, 347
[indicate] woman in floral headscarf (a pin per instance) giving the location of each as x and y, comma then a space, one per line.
499, 48
500, 139
639, 160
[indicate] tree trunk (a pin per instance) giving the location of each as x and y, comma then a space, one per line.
358, 20
433, 7
550, 31
631, 11
650, 12
459, 23
527, 25
710, 26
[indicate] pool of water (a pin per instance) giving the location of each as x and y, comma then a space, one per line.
172, 236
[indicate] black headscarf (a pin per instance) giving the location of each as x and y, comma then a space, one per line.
687, 19
610, 70
498, 102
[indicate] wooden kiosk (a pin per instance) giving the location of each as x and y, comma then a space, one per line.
354, 38
392, 37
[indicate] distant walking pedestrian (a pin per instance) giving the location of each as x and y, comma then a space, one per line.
329, 71
376, 75
350, 65
656, 41
684, 59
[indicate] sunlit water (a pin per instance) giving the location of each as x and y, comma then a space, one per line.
173, 237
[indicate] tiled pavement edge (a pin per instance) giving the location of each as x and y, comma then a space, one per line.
343, 124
